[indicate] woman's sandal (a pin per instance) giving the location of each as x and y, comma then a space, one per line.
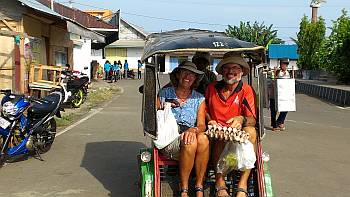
242, 190
219, 189
199, 189
184, 191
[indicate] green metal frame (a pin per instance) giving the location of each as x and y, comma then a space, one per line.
146, 173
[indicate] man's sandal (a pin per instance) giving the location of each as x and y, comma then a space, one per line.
242, 190
184, 191
219, 189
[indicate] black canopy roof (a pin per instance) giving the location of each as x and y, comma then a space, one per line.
192, 40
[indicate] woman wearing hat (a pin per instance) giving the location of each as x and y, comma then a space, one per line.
231, 102
191, 149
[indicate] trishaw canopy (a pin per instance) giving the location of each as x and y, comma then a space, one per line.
192, 40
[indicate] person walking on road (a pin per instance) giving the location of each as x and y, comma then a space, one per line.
121, 69
126, 69
139, 66
278, 125
106, 68
115, 68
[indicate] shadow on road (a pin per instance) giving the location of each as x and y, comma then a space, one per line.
114, 165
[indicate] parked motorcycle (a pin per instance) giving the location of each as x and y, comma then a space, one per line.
27, 124
74, 88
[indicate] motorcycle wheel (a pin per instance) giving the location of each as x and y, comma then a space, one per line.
78, 99
45, 139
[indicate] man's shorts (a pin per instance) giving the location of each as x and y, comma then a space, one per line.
172, 151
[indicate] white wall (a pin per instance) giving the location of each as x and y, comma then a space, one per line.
82, 56
97, 55
133, 54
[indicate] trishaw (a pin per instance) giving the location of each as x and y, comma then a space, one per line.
158, 175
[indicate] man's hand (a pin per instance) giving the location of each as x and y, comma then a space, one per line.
188, 137
236, 122
212, 122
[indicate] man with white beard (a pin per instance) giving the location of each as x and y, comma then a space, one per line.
231, 102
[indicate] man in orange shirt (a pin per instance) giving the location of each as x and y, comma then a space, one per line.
231, 102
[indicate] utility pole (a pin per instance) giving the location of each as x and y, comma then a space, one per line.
52, 2
70, 3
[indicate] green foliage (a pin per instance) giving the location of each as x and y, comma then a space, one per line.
257, 33
335, 51
309, 40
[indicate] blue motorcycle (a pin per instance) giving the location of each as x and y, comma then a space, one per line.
27, 124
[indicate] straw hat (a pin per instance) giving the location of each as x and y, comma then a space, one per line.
233, 58
187, 65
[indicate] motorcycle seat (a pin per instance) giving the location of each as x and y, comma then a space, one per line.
41, 109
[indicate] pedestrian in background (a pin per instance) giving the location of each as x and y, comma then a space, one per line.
203, 60
115, 68
282, 73
139, 66
121, 69
106, 68
126, 69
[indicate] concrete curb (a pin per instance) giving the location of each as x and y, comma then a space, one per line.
334, 95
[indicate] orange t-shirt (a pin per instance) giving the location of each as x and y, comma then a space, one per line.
240, 103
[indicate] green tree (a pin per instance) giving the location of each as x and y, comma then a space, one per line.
257, 33
335, 51
309, 40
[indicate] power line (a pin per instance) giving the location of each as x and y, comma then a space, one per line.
178, 20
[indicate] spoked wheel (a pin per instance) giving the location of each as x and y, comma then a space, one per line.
78, 98
45, 139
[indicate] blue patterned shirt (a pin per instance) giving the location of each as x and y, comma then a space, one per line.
186, 114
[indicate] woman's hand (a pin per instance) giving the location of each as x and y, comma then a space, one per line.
236, 122
188, 136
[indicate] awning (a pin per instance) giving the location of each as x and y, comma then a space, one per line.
76, 29
127, 44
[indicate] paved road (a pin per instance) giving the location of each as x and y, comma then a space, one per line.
98, 157
312, 157
94, 159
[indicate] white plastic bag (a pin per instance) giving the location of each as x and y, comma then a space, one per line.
245, 155
236, 156
167, 127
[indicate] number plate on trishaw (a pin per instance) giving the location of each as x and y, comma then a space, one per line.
4, 123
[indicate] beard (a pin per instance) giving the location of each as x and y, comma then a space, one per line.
234, 80
231, 81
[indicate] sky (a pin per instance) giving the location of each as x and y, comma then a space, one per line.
165, 15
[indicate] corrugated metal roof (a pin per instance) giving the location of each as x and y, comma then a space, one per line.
72, 26
78, 16
40, 7
283, 51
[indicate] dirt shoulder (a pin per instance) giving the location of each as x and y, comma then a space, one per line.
99, 92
